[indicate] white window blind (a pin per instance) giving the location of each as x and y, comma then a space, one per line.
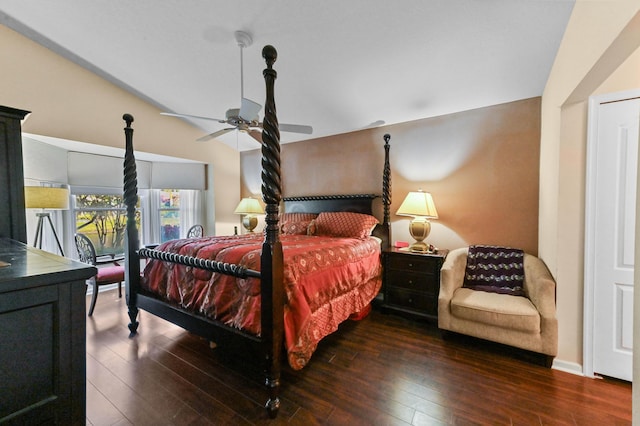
93, 170
103, 171
177, 175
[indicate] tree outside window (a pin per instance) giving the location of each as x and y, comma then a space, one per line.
103, 218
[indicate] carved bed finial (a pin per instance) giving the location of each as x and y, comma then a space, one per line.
270, 54
128, 118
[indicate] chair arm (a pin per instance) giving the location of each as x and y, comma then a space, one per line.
540, 286
452, 272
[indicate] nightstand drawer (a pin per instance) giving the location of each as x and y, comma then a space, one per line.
413, 263
421, 282
411, 300
411, 282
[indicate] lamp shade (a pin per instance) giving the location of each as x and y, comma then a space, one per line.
44, 197
418, 203
249, 206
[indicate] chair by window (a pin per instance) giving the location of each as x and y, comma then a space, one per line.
195, 231
106, 274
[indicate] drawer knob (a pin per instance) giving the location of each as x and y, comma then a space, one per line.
410, 265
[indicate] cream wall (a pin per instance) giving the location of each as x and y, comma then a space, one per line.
70, 102
598, 55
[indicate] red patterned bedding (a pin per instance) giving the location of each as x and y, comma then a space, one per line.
326, 280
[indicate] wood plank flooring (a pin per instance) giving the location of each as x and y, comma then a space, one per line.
383, 370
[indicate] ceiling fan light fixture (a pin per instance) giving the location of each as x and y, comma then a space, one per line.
243, 39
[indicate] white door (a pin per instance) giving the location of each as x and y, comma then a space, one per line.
610, 234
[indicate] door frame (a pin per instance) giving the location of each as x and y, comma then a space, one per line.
590, 250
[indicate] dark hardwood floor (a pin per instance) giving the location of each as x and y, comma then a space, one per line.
383, 370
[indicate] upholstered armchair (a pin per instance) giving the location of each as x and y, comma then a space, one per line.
528, 322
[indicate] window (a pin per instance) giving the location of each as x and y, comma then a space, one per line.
161, 215
169, 211
103, 218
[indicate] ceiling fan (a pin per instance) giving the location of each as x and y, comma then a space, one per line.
244, 119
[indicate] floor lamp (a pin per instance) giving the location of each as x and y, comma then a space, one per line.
46, 198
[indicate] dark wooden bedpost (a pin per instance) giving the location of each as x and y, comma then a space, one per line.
272, 291
132, 261
386, 194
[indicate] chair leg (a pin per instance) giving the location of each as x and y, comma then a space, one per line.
94, 296
120, 289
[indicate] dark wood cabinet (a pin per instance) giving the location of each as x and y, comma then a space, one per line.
412, 282
42, 333
42, 309
13, 223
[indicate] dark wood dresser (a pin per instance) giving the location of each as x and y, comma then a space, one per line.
13, 223
42, 337
411, 282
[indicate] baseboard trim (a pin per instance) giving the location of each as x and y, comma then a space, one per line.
568, 367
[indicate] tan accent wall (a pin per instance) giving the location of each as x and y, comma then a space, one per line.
69, 102
481, 166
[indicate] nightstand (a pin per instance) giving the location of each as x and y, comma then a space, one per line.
411, 281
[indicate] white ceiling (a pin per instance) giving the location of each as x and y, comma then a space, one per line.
342, 65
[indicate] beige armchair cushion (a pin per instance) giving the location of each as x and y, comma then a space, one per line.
516, 313
525, 322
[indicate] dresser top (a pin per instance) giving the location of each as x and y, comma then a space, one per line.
31, 267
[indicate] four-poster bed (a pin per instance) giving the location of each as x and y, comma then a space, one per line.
241, 286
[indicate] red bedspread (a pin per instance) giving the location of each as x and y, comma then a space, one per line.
326, 280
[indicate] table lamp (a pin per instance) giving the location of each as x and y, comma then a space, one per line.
420, 205
249, 207
46, 198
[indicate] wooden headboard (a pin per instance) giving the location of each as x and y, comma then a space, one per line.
357, 203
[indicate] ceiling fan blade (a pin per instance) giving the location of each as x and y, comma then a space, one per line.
295, 128
215, 134
192, 116
256, 134
249, 110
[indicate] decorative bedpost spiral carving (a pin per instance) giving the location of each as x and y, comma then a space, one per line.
386, 180
132, 269
271, 180
272, 264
